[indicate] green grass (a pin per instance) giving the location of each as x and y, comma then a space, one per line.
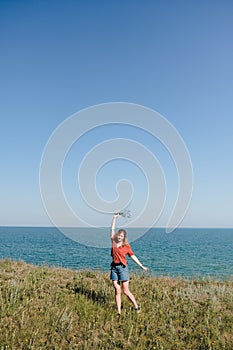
55, 308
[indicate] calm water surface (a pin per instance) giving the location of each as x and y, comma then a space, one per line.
185, 252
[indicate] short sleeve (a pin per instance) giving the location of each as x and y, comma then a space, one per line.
129, 251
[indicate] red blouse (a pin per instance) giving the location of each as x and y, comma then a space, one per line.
119, 253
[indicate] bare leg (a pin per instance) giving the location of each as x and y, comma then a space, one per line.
125, 286
117, 287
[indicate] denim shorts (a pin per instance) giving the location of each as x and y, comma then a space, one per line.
119, 273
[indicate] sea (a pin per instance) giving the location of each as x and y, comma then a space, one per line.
186, 252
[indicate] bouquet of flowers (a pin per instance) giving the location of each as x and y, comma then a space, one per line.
125, 213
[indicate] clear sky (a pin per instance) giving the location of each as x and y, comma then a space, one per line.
59, 57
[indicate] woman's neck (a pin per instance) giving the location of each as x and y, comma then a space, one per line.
118, 244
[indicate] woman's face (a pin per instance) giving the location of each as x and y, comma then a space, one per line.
120, 237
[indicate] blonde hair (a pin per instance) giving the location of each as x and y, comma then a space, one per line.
125, 240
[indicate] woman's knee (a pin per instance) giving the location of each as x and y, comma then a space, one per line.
117, 289
126, 291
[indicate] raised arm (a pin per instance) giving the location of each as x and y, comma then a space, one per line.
115, 216
136, 260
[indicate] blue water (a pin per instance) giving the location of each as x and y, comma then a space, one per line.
185, 252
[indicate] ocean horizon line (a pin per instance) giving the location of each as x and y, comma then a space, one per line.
131, 227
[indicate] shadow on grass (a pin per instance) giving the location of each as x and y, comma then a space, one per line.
96, 297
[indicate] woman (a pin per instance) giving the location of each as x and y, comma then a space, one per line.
119, 268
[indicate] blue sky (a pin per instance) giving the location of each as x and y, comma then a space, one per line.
59, 57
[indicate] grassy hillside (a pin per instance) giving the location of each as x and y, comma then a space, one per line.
54, 308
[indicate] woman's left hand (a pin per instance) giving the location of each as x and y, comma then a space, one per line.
145, 268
